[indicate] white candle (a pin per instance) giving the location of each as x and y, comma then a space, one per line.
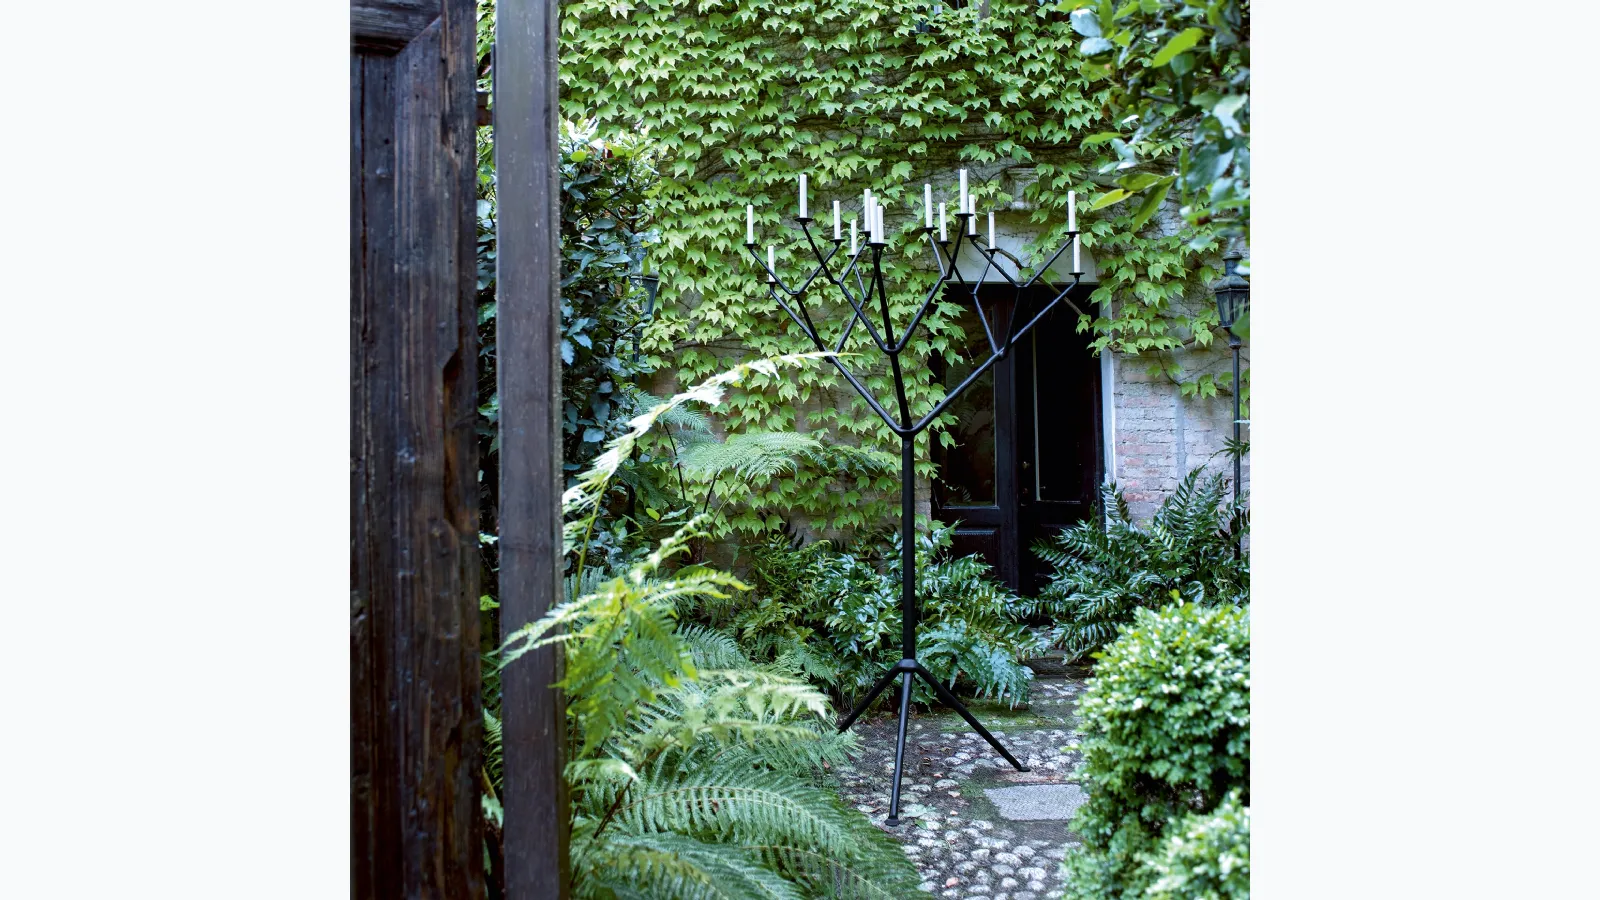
972, 221
963, 190
1077, 264
853, 250
942, 235
802, 195
927, 203
991, 228
1072, 210
772, 263
881, 229
866, 209
750, 223
836, 220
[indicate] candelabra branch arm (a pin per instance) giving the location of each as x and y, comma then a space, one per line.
922, 311
950, 397
866, 395
1046, 311
849, 326
822, 261
860, 312
1011, 323
993, 358
811, 328
955, 256
899, 387
938, 256
772, 276
810, 332
988, 263
883, 302
991, 253
1062, 292
983, 319
852, 269
1037, 276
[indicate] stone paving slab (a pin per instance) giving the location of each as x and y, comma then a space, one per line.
960, 836
1038, 802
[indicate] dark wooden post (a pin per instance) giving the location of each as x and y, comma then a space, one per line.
527, 155
416, 715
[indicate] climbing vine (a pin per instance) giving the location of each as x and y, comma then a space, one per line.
739, 98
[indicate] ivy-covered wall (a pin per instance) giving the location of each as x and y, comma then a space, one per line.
741, 97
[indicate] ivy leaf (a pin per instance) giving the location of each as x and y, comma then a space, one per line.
1095, 45
592, 435
1180, 42
1099, 138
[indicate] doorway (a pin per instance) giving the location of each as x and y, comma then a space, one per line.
1026, 461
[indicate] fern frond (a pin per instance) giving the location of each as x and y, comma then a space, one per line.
1104, 572
668, 866
748, 455
581, 502
713, 649
739, 805
875, 876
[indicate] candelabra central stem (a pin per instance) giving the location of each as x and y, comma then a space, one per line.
908, 548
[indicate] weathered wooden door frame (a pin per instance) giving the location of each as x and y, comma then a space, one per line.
415, 704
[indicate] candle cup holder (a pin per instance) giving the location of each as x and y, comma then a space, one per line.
860, 295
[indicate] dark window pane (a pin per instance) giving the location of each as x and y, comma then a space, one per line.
966, 471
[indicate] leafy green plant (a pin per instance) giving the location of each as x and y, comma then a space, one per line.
605, 234
1106, 572
688, 764
835, 616
1167, 725
1176, 70
605, 237
1204, 856
732, 472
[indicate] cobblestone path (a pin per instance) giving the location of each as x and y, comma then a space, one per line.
974, 826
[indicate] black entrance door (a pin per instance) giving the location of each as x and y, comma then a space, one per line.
1026, 457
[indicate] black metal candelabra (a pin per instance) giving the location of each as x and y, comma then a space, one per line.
860, 289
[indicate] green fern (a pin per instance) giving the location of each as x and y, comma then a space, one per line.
692, 770
747, 455
834, 617
1104, 573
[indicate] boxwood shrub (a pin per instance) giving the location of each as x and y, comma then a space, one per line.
1204, 857
1166, 720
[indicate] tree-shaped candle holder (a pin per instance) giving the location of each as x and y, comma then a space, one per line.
859, 278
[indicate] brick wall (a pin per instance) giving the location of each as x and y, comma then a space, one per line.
1161, 435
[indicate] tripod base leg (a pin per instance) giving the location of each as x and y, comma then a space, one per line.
899, 750
871, 696
949, 699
